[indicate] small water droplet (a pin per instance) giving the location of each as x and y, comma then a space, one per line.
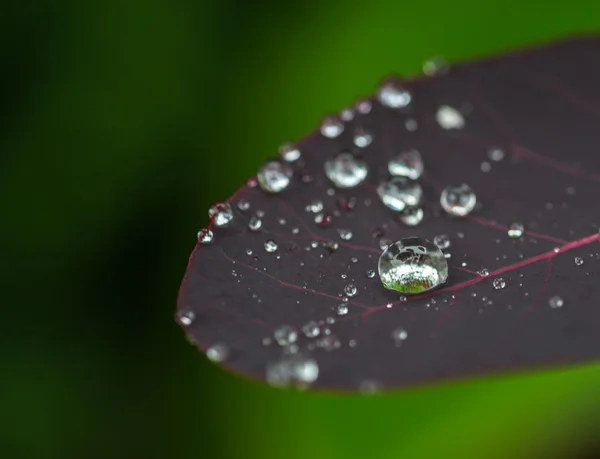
296, 370
266, 341
205, 236
483, 272
345, 171
217, 352
578, 261
442, 241
570, 190
315, 207
346, 204
331, 127
412, 265
289, 153
362, 137
364, 106
331, 246
248, 251
499, 283
458, 200
254, 224
486, 167
496, 154
384, 243
270, 246
515, 230
411, 124
449, 118
393, 94
220, 213
311, 329
243, 205
252, 182
400, 192
330, 320
399, 335
285, 335
274, 177
329, 343
411, 216
556, 302
347, 114
371, 273
407, 163
341, 309
345, 234
185, 317
350, 290
435, 66
323, 219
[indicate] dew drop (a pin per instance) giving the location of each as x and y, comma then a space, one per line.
243, 205
295, 370
400, 192
274, 177
285, 335
411, 124
217, 352
458, 200
483, 272
556, 302
220, 213
371, 273
185, 317
205, 236
496, 154
393, 94
331, 246
345, 234
364, 106
331, 127
341, 309
270, 246
254, 224
412, 265
311, 329
515, 230
407, 163
499, 283
578, 261
289, 153
329, 343
347, 114
486, 167
435, 66
442, 241
350, 290
346, 204
399, 335
315, 207
362, 138
384, 243
345, 171
449, 118
411, 216
323, 219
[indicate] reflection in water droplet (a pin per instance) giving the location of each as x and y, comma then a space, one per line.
311, 329
578, 261
220, 213
411, 216
442, 241
288, 152
217, 352
331, 127
295, 370
458, 200
185, 317
270, 246
449, 118
285, 335
350, 290
274, 177
407, 163
205, 236
435, 66
345, 171
515, 230
412, 265
254, 224
341, 309
556, 302
362, 138
400, 192
499, 283
393, 94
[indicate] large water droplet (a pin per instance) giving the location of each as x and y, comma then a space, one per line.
407, 164
515, 230
458, 200
412, 265
449, 118
295, 370
393, 94
220, 213
345, 171
270, 246
217, 352
331, 127
499, 283
205, 236
274, 177
285, 335
400, 192
411, 216
289, 152
556, 302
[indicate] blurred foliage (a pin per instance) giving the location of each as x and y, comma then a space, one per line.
121, 122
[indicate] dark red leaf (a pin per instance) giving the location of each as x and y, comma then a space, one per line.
542, 108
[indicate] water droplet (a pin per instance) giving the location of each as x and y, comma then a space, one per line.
311, 329
411, 124
347, 114
364, 106
362, 138
341, 309
345, 171
399, 335
248, 252
350, 290
515, 230
254, 224
384, 243
400, 192
393, 94
331, 246
411, 216
458, 200
289, 153
205, 236
285, 335
346, 204
371, 273
185, 317
449, 118
407, 163
243, 205
323, 219
329, 343
295, 370
442, 241
578, 261
496, 154
345, 234
330, 320
252, 182
274, 177
486, 167
435, 66
220, 213
217, 352
266, 341
315, 207
556, 302
483, 272
270, 246
331, 127
570, 190
412, 265
499, 283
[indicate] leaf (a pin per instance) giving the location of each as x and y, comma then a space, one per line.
541, 108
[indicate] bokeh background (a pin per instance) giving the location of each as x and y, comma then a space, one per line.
121, 122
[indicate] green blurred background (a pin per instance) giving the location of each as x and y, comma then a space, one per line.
122, 121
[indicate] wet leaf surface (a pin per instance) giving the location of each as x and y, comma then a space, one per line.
541, 109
